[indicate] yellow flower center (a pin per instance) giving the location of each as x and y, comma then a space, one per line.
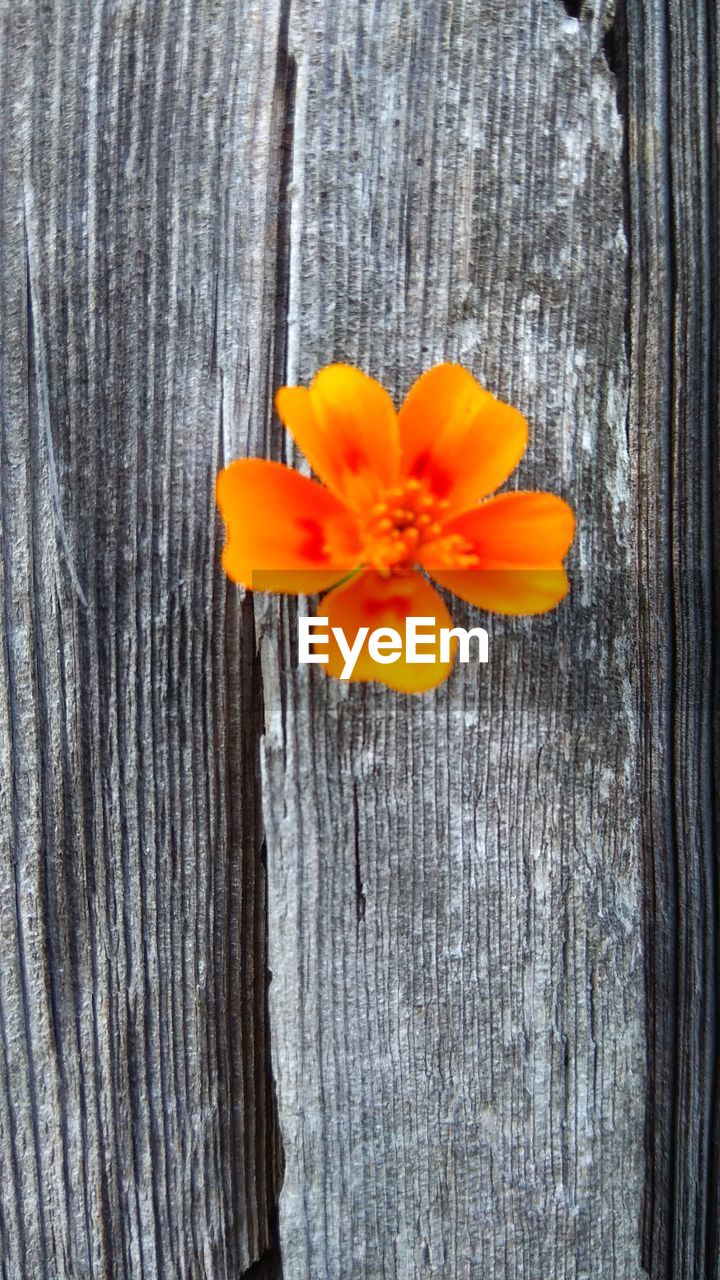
406, 518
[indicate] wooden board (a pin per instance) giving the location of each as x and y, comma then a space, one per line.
673, 126
138, 297
455, 881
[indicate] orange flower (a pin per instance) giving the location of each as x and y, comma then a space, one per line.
400, 490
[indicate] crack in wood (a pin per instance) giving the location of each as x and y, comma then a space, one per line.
360, 900
573, 7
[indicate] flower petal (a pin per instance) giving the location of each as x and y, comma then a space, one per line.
346, 426
518, 529
511, 591
374, 601
520, 540
458, 437
284, 531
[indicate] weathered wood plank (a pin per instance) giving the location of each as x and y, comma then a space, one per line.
139, 153
457, 1004
454, 881
673, 127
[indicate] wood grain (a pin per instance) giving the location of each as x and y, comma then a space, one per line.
137, 204
673, 128
454, 881
197, 203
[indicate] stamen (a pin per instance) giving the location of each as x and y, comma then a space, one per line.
402, 520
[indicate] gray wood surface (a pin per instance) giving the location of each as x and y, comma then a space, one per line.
137, 321
491, 912
455, 881
673, 133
